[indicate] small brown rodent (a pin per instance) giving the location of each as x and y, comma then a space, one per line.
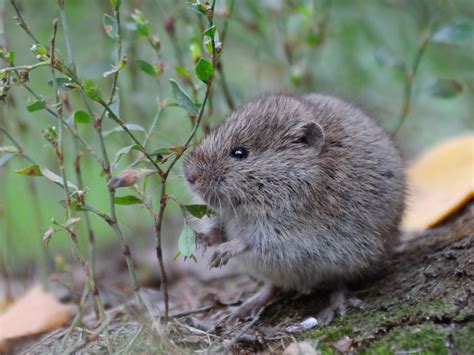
306, 190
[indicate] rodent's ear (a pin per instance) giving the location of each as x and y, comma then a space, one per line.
312, 134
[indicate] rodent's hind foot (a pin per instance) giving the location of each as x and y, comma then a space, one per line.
338, 303
251, 307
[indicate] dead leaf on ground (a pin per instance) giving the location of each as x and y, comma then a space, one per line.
440, 182
34, 313
301, 348
343, 345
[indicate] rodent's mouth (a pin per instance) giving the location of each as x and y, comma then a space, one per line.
204, 196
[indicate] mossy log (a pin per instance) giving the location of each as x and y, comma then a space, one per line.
423, 302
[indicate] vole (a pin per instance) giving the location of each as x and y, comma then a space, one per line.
306, 190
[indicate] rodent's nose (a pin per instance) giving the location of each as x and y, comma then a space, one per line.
192, 178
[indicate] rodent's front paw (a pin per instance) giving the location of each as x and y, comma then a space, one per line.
213, 237
221, 256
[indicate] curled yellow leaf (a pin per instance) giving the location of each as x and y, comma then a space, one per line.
440, 182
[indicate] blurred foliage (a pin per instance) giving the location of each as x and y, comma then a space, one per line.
361, 50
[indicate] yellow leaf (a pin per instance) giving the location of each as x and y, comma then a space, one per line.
440, 182
35, 312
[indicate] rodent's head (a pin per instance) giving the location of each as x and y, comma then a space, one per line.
264, 153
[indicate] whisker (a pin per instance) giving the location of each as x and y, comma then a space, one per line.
233, 208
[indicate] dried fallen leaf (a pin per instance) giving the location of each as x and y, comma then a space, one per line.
343, 345
301, 348
35, 312
440, 183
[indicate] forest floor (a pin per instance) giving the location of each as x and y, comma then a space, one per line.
422, 302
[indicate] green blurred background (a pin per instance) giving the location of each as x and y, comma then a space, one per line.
359, 50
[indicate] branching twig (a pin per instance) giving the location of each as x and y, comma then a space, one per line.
164, 176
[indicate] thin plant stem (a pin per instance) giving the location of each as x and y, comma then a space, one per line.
148, 134
21, 151
43, 263
408, 83
60, 158
111, 220
70, 129
77, 168
106, 105
22, 23
24, 67
117, 119
59, 115
220, 66
44, 269
164, 176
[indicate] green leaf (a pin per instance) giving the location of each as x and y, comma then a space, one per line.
207, 44
36, 105
91, 90
110, 26
186, 241
82, 117
211, 34
162, 151
182, 98
127, 200
8, 56
141, 23
115, 4
197, 7
63, 83
39, 49
146, 67
445, 88
143, 29
204, 70
211, 31
183, 72
123, 151
130, 126
32, 170
48, 174
74, 206
197, 211
195, 50
460, 32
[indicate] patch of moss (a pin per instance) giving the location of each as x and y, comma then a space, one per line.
335, 331
464, 339
429, 339
325, 350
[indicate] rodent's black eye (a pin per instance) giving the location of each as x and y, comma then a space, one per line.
239, 153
